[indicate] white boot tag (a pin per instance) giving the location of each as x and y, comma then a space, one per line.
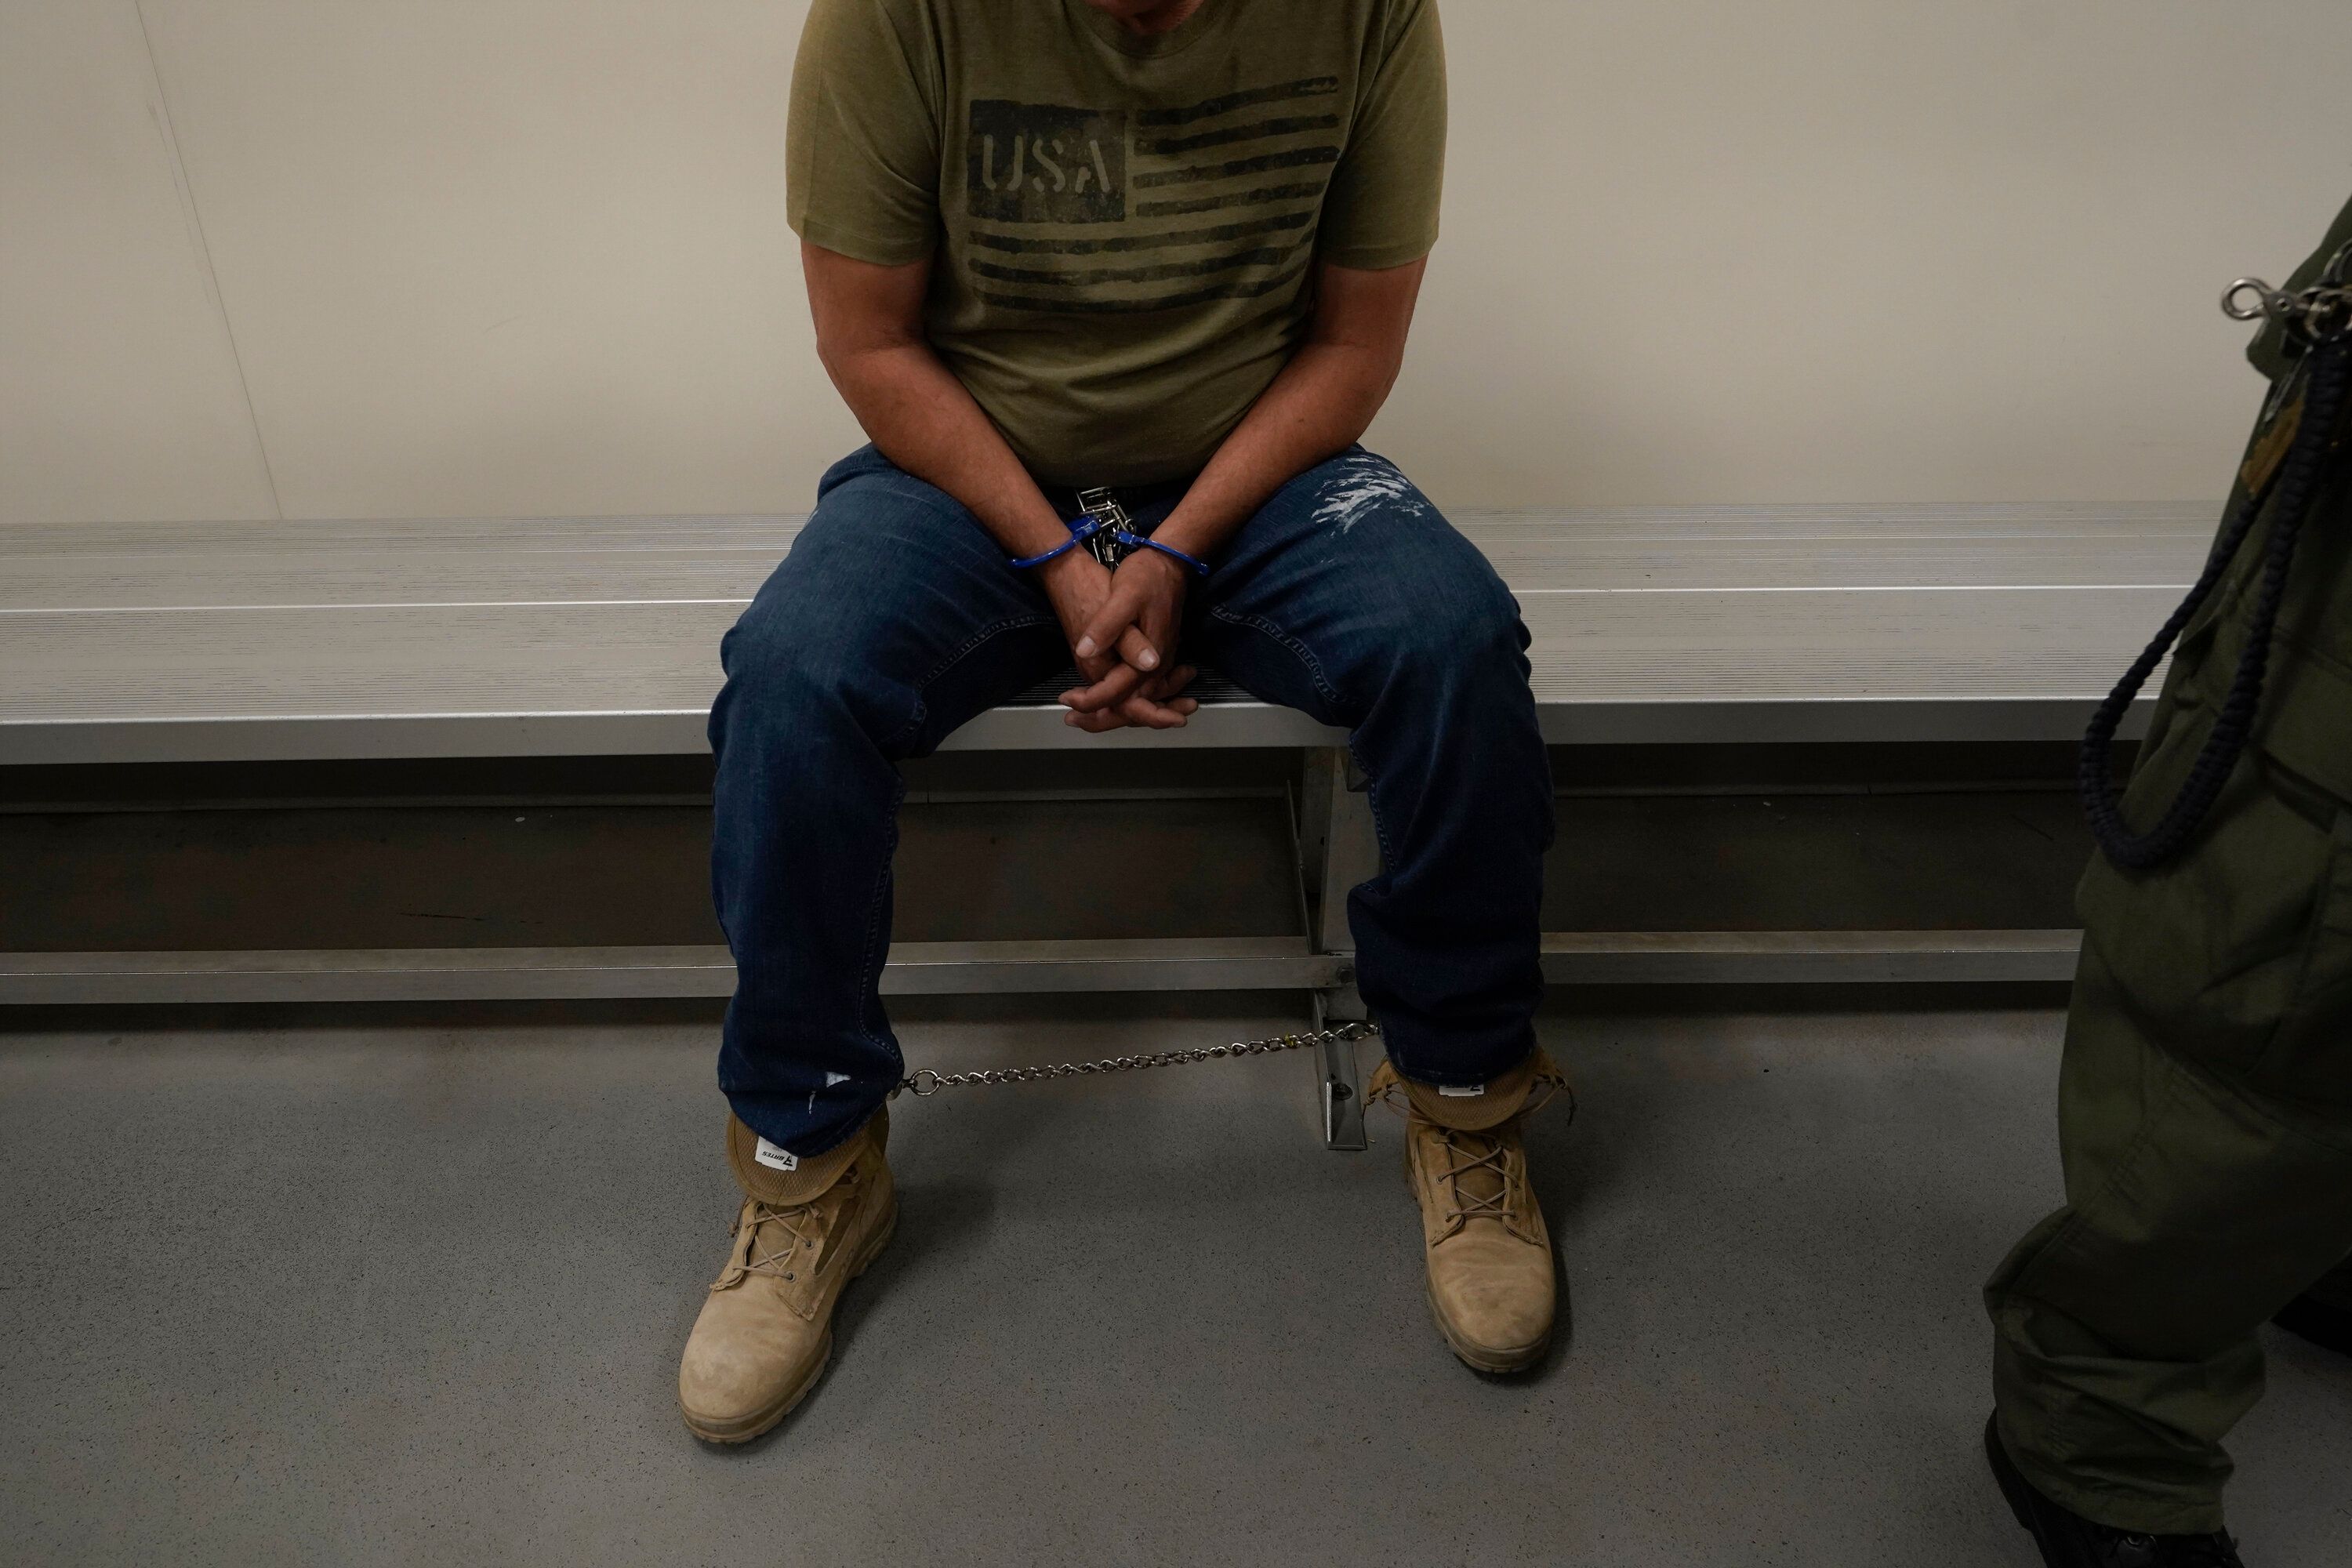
1461, 1092
774, 1158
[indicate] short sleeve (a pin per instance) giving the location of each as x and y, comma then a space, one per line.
862, 140
1381, 210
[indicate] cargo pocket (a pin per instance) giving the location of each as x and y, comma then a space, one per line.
2310, 1056
2215, 953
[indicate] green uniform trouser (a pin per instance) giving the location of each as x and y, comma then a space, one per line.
2205, 1100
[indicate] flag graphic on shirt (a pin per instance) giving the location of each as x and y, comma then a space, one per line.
1215, 201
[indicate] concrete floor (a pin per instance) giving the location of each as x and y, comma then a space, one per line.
359, 1296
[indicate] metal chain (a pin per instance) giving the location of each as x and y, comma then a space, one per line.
925, 1083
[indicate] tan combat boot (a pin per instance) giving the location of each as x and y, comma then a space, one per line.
766, 1330
1491, 1281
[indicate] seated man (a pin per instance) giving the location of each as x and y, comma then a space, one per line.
1168, 249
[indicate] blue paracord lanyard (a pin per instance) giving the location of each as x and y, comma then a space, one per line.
1084, 528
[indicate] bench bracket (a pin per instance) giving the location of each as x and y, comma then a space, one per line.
1342, 1088
1336, 849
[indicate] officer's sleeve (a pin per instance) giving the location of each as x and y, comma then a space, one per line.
862, 140
1381, 209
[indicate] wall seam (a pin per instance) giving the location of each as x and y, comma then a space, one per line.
195, 221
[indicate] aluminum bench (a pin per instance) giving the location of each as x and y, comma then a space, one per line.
176, 642
597, 636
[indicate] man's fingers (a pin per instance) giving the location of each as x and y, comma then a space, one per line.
1108, 692
1144, 714
1167, 683
1111, 688
1137, 649
1136, 711
1109, 630
1158, 625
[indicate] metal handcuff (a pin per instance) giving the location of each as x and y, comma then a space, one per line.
1106, 530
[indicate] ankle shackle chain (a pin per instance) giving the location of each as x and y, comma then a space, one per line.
927, 1082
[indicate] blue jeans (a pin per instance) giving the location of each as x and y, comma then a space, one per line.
895, 619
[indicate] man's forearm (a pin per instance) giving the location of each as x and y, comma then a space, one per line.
1322, 402
925, 421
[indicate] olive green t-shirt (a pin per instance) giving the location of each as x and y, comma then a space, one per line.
1123, 228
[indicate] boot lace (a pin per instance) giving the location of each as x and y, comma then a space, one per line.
1495, 1195
1497, 1184
785, 1238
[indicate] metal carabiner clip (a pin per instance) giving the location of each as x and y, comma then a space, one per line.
2320, 310
2263, 303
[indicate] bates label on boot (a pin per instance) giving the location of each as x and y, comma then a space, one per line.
774, 1158
1461, 1092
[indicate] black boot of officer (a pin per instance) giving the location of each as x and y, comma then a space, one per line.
2069, 1541
2328, 1327
2323, 1314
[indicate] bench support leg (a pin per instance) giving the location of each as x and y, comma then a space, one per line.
1338, 848
1342, 1090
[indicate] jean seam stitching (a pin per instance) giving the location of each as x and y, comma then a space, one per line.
875, 955
1315, 672
1306, 657
1298, 649
924, 682
869, 967
871, 962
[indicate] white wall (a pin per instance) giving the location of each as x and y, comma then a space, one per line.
368, 257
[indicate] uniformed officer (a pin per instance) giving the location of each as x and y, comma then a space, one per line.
2205, 1103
